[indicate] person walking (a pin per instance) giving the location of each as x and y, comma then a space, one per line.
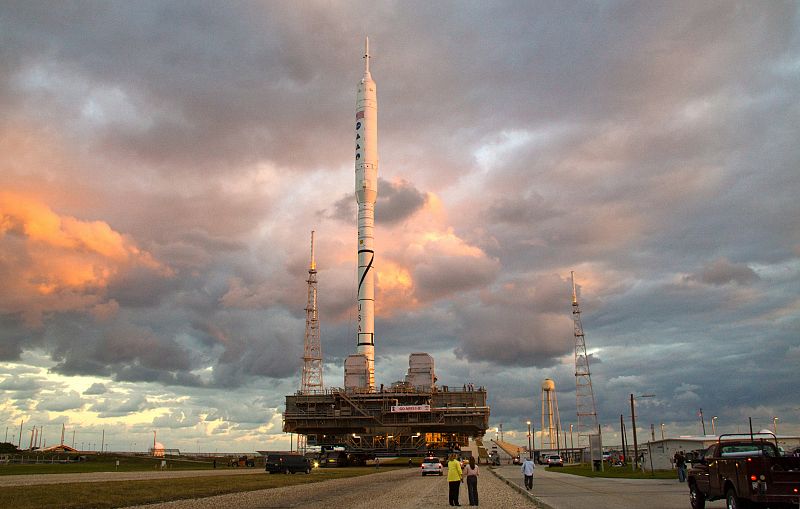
454, 478
527, 471
471, 474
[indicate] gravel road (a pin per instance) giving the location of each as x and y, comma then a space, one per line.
398, 489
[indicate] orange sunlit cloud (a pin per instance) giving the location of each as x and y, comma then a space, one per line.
60, 263
427, 245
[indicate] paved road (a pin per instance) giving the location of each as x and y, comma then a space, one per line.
564, 491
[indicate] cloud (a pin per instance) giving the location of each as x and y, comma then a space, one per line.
55, 263
721, 272
161, 168
397, 201
176, 420
60, 402
109, 407
95, 389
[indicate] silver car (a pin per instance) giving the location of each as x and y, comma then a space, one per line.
432, 466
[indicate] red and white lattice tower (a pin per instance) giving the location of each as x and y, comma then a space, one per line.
311, 381
586, 408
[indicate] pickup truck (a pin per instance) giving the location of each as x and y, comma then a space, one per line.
746, 473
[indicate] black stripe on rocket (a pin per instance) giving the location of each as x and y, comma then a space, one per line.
369, 266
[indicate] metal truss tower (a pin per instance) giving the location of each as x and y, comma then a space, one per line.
312, 348
586, 408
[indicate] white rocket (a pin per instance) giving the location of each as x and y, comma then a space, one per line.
366, 194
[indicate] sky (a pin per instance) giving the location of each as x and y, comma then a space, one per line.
162, 165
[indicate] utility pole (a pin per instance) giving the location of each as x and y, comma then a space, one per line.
622, 432
703, 422
635, 443
19, 442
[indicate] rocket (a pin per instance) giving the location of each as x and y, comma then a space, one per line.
366, 194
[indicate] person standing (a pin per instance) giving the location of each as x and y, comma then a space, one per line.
680, 463
454, 478
527, 471
471, 474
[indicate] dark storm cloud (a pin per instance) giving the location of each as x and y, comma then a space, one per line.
397, 201
722, 271
12, 337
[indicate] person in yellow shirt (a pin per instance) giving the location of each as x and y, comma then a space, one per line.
454, 478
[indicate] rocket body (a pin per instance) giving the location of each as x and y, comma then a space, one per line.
366, 124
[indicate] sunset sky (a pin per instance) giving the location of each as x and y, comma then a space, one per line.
162, 165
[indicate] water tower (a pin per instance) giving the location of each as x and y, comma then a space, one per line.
551, 422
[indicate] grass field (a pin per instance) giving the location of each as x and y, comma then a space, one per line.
615, 472
106, 463
104, 495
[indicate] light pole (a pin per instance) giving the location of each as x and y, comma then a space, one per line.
571, 443
703, 422
530, 442
775, 425
633, 425
662, 431
714, 425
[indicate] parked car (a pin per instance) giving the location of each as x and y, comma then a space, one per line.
431, 465
554, 460
287, 464
746, 473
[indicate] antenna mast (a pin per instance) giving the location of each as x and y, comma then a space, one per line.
586, 408
312, 348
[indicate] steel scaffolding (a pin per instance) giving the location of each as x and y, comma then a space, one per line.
586, 407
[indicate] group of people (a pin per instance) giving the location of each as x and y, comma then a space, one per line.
457, 475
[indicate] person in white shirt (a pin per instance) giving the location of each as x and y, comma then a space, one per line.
527, 471
471, 474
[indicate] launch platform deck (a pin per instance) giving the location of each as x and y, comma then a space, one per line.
397, 420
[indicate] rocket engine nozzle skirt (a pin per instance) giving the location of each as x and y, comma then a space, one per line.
366, 194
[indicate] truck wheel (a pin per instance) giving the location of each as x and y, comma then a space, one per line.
734, 502
697, 497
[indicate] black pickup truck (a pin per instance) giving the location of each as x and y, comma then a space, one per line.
747, 473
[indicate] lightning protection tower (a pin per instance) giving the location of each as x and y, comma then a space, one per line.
586, 408
312, 348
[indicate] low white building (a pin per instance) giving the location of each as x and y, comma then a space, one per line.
663, 451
